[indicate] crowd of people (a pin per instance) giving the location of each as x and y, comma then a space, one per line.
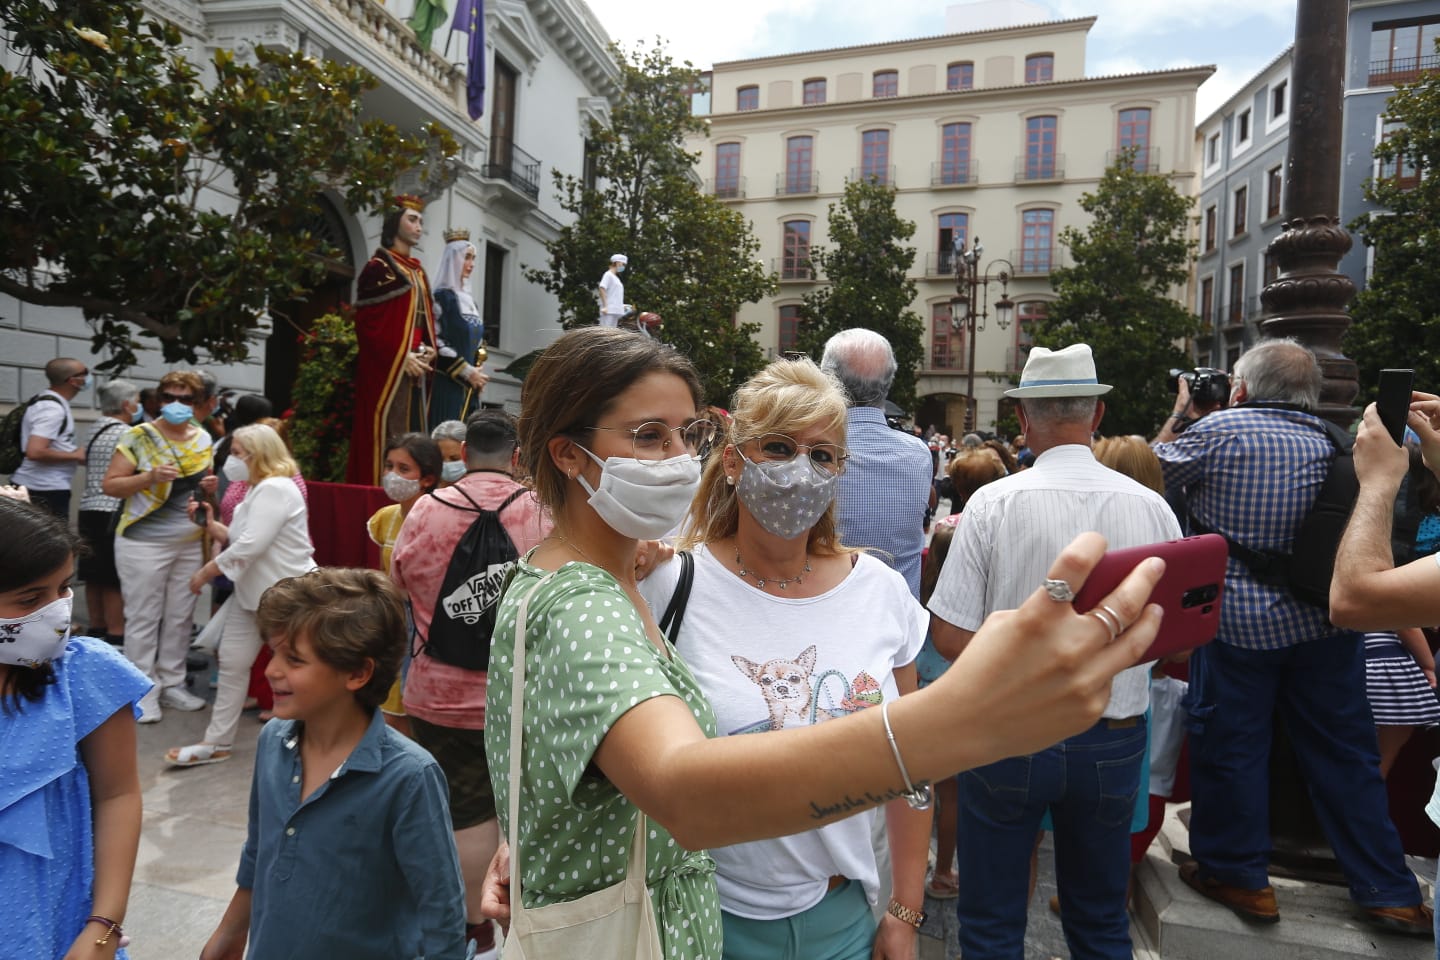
733, 653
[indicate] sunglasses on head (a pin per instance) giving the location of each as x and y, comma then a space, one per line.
176, 398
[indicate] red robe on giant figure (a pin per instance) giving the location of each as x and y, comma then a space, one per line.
393, 317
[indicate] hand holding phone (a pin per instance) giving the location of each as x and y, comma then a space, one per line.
1393, 401
1190, 591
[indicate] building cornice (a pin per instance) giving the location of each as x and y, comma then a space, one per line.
961, 98
580, 38
1246, 92
1046, 28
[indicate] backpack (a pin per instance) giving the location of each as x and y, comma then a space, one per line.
1307, 569
12, 454
469, 597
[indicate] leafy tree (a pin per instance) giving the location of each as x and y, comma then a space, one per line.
114, 149
1397, 316
1118, 296
866, 266
692, 258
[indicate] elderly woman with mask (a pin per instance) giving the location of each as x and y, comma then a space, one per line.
461, 332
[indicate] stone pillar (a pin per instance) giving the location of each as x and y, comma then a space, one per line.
1309, 299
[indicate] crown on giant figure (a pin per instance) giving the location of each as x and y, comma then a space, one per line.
408, 201
452, 235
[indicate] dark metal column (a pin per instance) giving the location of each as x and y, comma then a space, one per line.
1310, 297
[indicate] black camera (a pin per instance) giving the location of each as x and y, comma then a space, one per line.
1208, 387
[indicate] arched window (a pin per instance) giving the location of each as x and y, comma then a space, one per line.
1039, 67
955, 153
799, 172
727, 170
886, 84
960, 76
875, 156
747, 98
795, 251
789, 327
947, 345
1040, 133
814, 90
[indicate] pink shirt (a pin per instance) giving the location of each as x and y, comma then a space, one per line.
436, 692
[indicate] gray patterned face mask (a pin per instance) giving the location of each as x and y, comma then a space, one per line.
786, 497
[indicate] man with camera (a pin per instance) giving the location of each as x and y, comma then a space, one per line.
1252, 473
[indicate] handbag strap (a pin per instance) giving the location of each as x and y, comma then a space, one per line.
517, 721
674, 614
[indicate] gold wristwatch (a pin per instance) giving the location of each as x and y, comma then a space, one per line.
899, 911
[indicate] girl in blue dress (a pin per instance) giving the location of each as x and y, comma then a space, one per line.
69, 789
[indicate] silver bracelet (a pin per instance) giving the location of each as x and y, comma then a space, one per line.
918, 797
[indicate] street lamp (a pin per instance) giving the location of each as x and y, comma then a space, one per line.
969, 310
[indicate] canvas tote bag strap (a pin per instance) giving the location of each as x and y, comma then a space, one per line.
517, 720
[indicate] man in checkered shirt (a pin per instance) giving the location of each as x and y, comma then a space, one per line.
1252, 473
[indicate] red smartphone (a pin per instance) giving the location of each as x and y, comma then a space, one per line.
1190, 590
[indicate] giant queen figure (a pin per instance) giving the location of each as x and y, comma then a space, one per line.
395, 330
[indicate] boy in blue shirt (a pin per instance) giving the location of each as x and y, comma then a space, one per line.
349, 852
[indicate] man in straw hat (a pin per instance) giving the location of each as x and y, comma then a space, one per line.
1000, 553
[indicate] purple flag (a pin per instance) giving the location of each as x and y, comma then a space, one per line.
470, 18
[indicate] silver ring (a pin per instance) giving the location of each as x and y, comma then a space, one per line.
1058, 590
1107, 616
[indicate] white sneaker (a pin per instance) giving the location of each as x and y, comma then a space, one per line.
150, 708
181, 699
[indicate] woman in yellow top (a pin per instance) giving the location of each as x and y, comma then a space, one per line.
156, 469
413, 464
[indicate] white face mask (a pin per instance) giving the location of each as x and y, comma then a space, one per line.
397, 488
643, 499
452, 470
35, 640
235, 469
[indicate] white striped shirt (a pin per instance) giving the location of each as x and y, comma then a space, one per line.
1012, 530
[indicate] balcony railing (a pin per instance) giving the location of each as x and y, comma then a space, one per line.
800, 269
885, 176
398, 40
797, 183
1035, 261
1401, 69
941, 263
1147, 159
948, 173
516, 167
1036, 169
732, 188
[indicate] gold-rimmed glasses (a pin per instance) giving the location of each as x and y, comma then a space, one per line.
651, 441
825, 458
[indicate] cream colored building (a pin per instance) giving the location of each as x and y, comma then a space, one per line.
995, 134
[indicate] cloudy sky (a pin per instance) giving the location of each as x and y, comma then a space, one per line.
1237, 36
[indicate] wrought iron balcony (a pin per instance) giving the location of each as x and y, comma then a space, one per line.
941, 263
1038, 168
1035, 261
1147, 159
797, 183
1401, 69
794, 269
728, 188
954, 173
885, 176
509, 163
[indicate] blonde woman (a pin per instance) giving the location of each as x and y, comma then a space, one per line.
775, 636
268, 540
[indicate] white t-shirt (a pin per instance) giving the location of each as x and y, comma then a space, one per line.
768, 662
614, 296
53, 421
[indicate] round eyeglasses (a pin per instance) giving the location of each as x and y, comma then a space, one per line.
651, 441
826, 458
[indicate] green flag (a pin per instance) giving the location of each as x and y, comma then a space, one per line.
429, 16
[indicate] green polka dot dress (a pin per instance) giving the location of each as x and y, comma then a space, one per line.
587, 662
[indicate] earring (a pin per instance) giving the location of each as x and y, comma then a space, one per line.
729, 480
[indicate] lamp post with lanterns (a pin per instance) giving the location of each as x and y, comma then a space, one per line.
969, 307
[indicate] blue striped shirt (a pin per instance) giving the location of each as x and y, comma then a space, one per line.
884, 492
1253, 474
